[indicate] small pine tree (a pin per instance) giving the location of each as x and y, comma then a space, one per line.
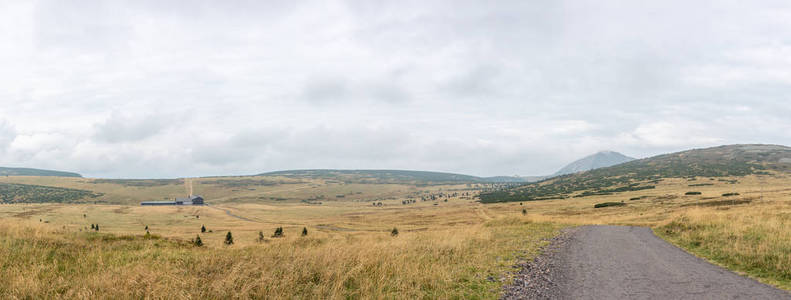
92, 227
260, 236
229, 238
203, 228
304, 231
524, 211
394, 232
146, 227
199, 243
97, 227
278, 232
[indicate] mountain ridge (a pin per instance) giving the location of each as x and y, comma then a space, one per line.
5, 171
727, 160
396, 175
601, 159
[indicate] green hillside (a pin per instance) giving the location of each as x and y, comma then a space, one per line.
28, 193
730, 160
34, 172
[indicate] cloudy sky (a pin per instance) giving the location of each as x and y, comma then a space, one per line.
193, 88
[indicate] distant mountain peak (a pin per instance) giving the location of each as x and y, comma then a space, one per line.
597, 160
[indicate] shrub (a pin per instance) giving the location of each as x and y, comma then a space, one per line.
524, 211
147, 235
203, 228
92, 227
199, 243
730, 194
607, 204
394, 232
229, 238
260, 236
96, 227
692, 193
278, 232
304, 231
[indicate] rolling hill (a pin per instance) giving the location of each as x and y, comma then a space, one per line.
601, 159
641, 174
29, 193
35, 172
389, 176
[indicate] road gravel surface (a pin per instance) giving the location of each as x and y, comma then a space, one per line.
624, 262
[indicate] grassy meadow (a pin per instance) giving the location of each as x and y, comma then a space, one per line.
445, 249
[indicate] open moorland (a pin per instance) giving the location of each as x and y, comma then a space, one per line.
448, 244
445, 245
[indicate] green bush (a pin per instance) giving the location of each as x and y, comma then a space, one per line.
229, 238
278, 232
607, 204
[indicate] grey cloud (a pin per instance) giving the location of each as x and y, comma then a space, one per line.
7, 134
161, 88
388, 92
240, 148
325, 90
121, 128
480, 81
339, 90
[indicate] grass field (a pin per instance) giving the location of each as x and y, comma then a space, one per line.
453, 249
444, 249
242, 189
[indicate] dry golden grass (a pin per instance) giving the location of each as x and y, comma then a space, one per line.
288, 190
755, 239
748, 233
456, 249
449, 250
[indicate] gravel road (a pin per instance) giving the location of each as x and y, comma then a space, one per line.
621, 262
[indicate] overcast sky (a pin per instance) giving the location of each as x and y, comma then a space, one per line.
193, 88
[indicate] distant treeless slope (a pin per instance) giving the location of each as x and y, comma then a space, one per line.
730, 160
394, 176
601, 159
377, 175
34, 172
